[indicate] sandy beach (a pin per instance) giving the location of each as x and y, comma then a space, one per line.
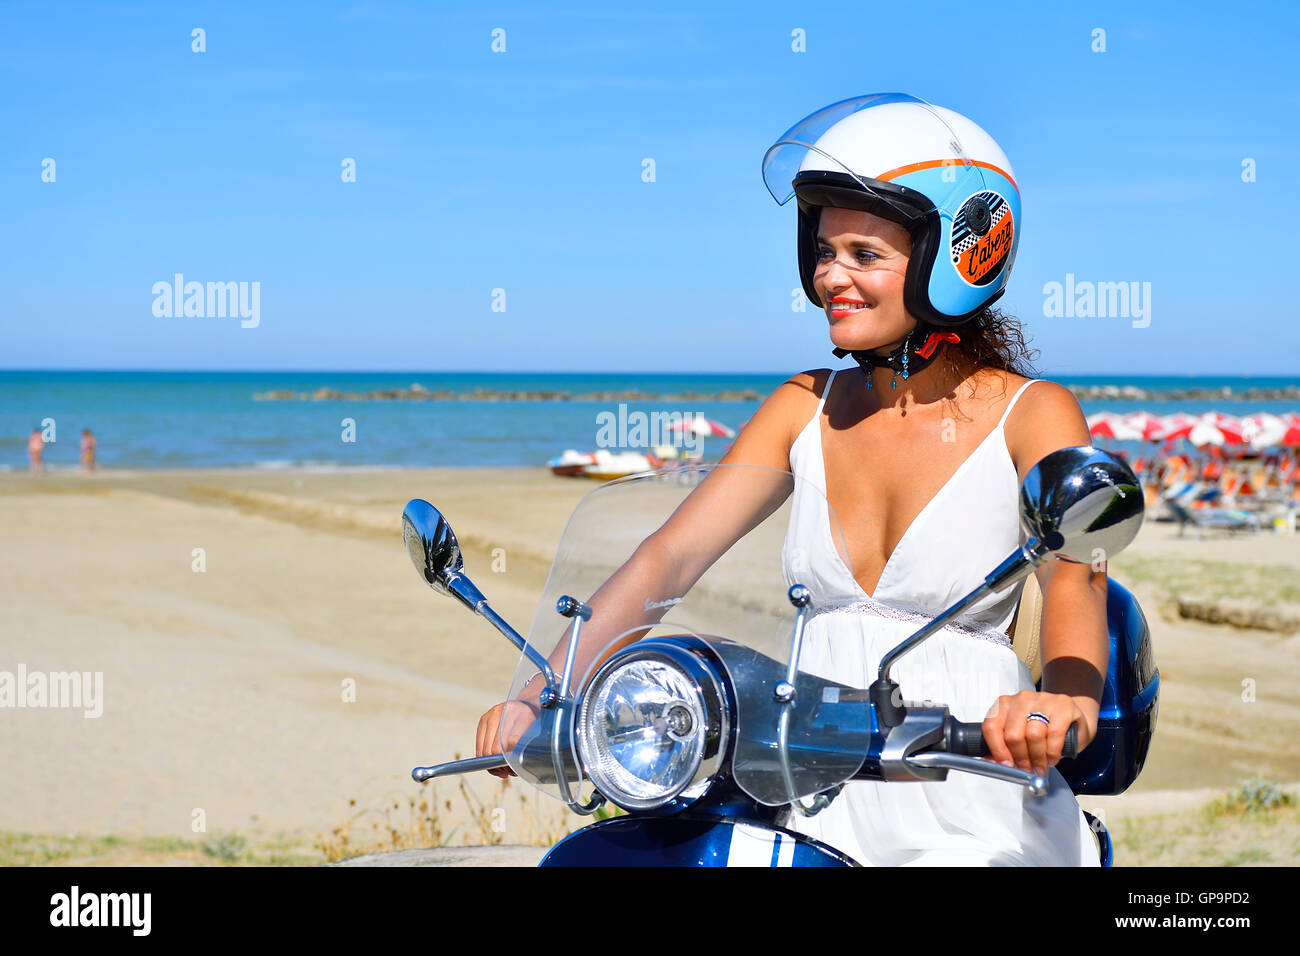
225, 690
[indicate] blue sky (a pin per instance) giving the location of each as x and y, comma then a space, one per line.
522, 170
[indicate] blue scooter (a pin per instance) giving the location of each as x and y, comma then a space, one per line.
627, 693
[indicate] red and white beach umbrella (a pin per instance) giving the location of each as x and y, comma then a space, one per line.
1231, 427
1215, 429
1110, 425
1152, 427
704, 427
1177, 425
1263, 430
1292, 434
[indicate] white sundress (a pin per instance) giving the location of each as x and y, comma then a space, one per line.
969, 526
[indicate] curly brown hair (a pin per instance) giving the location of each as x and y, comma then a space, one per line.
990, 340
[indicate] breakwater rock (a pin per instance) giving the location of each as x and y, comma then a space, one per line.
1224, 394
418, 393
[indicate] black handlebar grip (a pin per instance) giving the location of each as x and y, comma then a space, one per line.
968, 740
1071, 746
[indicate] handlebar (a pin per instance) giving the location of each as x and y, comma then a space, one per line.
964, 740
968, 739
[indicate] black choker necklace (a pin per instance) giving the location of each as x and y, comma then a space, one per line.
902, 359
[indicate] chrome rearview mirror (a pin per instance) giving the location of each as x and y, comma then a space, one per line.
431, 544
1082, 503
435, 552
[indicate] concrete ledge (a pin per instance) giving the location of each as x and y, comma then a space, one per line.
453, 856
1240, 614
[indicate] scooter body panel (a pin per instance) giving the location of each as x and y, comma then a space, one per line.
1129, 704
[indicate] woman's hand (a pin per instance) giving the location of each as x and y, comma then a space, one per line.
518, 717
1016, 741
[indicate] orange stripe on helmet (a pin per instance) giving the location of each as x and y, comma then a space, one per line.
936, 163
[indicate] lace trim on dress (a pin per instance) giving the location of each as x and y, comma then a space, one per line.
983, 632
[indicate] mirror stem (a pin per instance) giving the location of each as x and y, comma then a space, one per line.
469, 595
1019, 564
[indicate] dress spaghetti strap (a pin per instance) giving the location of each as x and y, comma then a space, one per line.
825, 392
1015, 398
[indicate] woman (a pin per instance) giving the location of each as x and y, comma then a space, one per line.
907, 230
907, 227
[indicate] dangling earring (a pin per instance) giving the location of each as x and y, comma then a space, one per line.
907, 347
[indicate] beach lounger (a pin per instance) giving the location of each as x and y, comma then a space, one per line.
1186, 495
1213, 519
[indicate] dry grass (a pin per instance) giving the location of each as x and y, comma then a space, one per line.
1258, 824
1264, 585
509, 812
222, 849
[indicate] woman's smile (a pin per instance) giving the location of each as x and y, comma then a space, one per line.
841, 308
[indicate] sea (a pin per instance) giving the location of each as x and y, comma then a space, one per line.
178, 419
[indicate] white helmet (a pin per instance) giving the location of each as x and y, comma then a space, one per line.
927, 168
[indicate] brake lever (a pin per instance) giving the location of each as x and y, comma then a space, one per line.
473, 764
935, 760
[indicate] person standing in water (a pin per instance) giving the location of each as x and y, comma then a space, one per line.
88, 445
36, 452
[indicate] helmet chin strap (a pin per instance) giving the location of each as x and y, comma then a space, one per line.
905, 358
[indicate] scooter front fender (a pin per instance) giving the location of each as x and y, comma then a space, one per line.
687, 840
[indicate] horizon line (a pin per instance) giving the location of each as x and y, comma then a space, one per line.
516, 371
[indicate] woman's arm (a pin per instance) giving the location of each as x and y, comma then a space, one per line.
725, 507
1075, 639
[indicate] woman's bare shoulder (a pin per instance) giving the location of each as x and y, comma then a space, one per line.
804, 386
767, 437
1046, 417
1046, 398
799, 394
999, 388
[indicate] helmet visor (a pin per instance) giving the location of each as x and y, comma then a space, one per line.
806, 146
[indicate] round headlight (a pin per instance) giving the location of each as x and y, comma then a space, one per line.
644, 729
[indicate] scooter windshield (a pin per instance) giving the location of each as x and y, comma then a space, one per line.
697, 550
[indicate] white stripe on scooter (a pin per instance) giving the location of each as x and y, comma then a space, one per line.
756, 846
751, 846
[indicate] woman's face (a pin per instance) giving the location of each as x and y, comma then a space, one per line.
861, 265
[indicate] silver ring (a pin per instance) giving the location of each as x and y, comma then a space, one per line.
1042, 718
